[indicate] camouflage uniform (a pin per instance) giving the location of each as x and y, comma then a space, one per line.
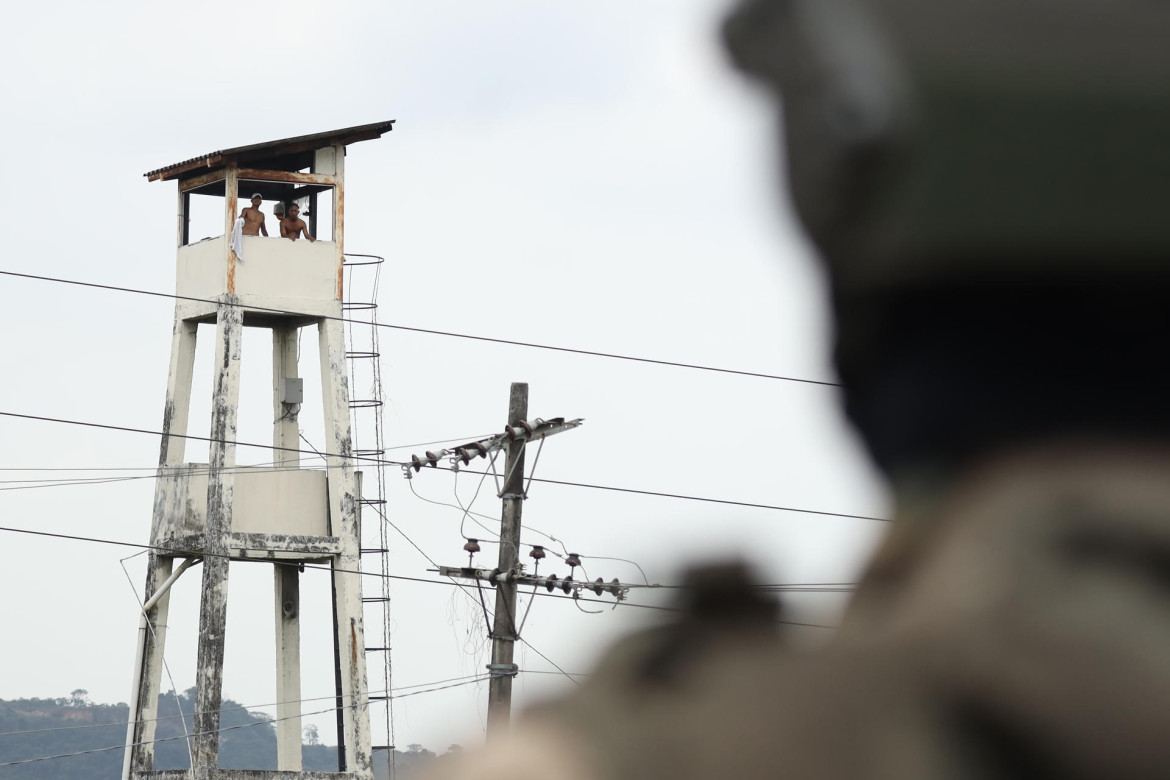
984, 180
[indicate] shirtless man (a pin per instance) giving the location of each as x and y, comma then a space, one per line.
254, 218
291, 226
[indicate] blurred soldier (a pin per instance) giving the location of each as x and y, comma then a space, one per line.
985, 181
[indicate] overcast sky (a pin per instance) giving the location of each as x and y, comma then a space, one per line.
587, 175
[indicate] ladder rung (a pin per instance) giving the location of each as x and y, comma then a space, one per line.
368, 453
372, 599
373, 259
373, 501
362, 355
365, 403
358, 305
372, 550
377, 649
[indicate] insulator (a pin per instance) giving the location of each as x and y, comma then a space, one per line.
480, 449
537, 552
550, 583
415, 463
521, 430
472, 545
433, 457
573, 560
598, 586
464, 455
615, 586
494, 577
567, 584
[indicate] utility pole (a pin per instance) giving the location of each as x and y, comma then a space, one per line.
517, 434
504, 631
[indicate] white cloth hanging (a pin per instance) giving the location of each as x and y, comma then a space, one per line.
238, 238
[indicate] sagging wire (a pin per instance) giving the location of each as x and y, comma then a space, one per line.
466, 513
166, 667
264, 722
471, 503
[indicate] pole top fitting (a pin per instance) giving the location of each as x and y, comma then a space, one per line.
503, 670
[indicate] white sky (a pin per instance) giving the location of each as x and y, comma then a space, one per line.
589, 175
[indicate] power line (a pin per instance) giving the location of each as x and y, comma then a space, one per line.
203, 554
701, 498
813, 587
152, 468
158, 548
128, 429
378, 461
546, 658
265, 722
242, 707
401, 577
432, 332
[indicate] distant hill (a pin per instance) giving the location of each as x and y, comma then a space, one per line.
85, 740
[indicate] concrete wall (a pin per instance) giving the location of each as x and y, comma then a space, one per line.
279, 268
272, 268
202, 271
266, 501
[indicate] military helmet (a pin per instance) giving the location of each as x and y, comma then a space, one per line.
935, 140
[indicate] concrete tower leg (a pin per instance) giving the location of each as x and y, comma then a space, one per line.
178, 403
151, 644
287, 576
343, 511
148, 671
220, 485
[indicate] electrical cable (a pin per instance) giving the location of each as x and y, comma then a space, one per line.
128, 429
241, 708
365, 459
269, 463
432, 332
166, 667
460, 585
467, 509
549, 671
269, 721
180, 552
703, 499
410, 483
549, 660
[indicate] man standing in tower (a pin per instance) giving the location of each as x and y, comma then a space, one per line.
292, 226
254, 218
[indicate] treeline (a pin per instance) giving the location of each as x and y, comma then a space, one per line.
80, 740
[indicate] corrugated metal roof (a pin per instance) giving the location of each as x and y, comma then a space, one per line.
299, 143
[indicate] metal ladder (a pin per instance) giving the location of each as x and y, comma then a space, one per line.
363, 274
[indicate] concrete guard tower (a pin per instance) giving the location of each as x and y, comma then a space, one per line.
216, 512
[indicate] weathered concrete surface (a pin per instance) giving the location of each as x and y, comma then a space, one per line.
281, 500
343, 512
220, 482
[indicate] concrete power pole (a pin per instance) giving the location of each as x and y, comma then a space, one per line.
504, 630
